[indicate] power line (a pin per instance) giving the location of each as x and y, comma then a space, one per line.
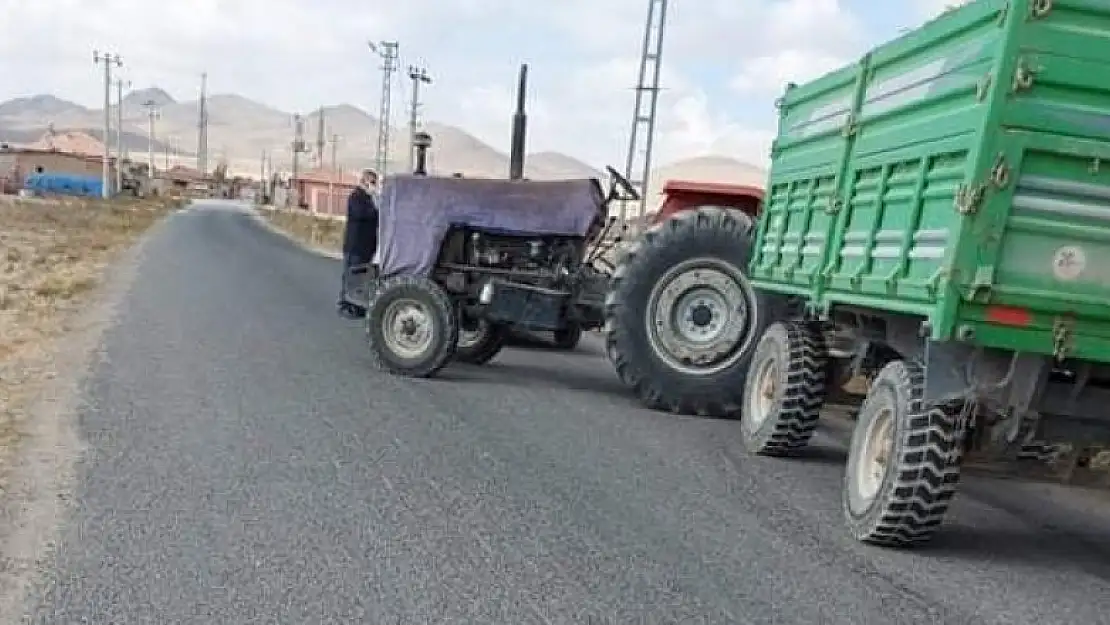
108, 60
388, 51
419, 76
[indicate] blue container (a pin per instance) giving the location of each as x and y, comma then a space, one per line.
48, 183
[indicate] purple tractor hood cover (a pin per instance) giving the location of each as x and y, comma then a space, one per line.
417, 211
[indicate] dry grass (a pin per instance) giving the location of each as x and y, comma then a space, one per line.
52, 256
318, 232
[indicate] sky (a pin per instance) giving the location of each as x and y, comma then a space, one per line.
724, 61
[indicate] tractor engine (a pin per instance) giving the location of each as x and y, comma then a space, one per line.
554, 255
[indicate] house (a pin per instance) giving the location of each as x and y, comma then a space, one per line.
324, 191
70, 152
181, 178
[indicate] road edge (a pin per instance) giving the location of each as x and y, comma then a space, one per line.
257, 212
44, 469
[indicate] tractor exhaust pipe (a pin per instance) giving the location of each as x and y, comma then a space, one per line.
520, 128
421, 142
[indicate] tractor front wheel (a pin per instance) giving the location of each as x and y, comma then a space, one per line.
412, 326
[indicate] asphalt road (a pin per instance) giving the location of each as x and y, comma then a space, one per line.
246, 465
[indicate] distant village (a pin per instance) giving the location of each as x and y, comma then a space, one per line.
71, 162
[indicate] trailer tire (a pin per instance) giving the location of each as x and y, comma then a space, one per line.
900, 500
412, 326
479, 346
702, 249
785, 389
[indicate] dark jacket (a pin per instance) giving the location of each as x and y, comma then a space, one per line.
361, 236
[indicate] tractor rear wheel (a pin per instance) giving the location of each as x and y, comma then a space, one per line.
480, 344
681, 318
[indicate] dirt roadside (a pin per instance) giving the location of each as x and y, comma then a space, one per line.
319, 234
53, 254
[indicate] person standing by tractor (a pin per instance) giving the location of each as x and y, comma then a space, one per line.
360, 237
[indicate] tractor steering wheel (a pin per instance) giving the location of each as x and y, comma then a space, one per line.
620, 181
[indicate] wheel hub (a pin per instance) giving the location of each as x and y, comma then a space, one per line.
762, 401
699, 316
407, 328
878, 445
702, 314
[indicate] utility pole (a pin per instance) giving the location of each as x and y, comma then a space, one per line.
298, 149
387, 50
638, 166
175, 150
321, 138
120, 84
262, 179
334, 173
419, 76
202, 127
152, 114
108, 60
270, 184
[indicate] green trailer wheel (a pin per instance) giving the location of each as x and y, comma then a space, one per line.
785, 389
904, 461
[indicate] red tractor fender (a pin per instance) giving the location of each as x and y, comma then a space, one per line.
682, 195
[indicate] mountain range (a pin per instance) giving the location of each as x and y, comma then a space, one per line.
241, 130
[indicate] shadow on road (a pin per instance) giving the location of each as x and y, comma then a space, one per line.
1032, 546
537, 376
531, 341
820, 454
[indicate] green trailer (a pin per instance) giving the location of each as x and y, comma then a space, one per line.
937, 223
